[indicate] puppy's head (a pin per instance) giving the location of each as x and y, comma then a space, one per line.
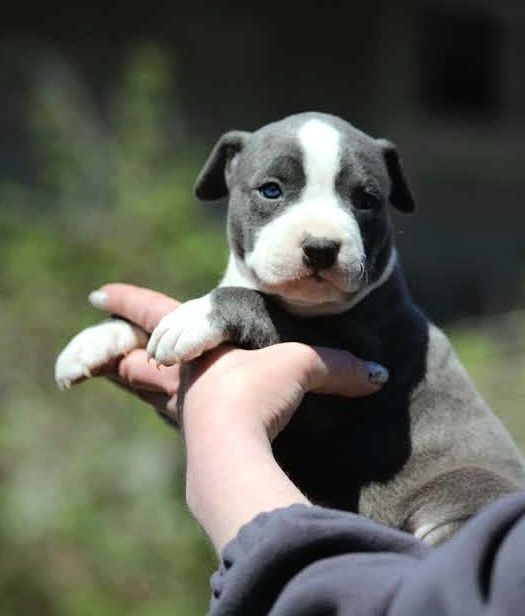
308, 199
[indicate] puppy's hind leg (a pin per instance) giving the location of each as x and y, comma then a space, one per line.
443, 504
95, 347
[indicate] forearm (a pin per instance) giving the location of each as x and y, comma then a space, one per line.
231, 476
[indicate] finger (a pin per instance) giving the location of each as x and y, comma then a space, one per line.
332, 371
137, 372
160, 402
141, 306
155, 398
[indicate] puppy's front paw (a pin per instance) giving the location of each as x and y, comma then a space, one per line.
186, 333
95, 346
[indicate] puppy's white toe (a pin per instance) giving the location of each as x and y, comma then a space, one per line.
186, 333
95, 346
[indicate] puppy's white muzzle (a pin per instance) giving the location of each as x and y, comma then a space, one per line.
278, 257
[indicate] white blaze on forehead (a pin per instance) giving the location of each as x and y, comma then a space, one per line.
320, 144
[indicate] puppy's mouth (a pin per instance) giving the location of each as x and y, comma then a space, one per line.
312, 287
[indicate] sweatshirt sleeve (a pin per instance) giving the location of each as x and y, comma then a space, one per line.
310, 560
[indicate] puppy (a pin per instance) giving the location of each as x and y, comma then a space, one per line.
312, 260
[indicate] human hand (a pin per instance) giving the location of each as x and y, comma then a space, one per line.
271, 382
236, 402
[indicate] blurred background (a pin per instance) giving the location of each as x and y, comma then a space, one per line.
106, 113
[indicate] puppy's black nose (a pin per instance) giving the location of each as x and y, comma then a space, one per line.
320, 253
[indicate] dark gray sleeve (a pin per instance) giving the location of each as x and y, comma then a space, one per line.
310, 560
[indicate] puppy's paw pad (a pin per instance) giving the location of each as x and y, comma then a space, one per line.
186, 333
93, 347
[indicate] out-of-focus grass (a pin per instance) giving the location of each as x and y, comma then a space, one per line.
93, 517
493, 350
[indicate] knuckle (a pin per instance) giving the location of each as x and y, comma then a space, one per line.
306, 362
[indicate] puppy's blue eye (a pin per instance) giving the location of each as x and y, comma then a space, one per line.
270, 190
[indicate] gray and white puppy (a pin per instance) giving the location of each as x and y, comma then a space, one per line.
312, 260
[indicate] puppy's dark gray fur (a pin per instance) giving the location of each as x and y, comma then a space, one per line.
425, 453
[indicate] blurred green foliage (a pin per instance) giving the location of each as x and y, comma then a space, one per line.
91, 493
93, 516
493, 351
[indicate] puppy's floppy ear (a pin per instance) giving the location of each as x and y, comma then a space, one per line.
212, 182
400, 195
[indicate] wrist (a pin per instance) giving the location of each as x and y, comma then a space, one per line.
232, 476
216, 463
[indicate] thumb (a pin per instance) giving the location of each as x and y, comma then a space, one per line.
340, 373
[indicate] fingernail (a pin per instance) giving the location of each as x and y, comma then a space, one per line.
377, 374
98, 299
